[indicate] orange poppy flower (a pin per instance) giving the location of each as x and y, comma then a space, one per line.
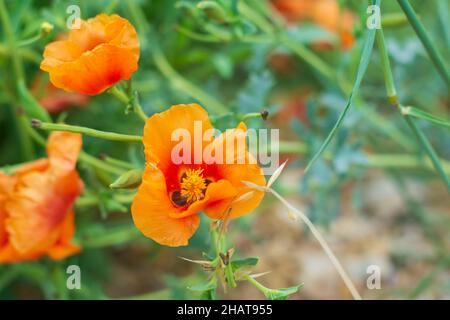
102, 52
325, 13
171, 195
36, 216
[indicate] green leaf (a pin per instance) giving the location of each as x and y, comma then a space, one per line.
363, 64
223, 65
417, 113
32, 107
253, 97
208, 289
237, 264
283, 293
428, 148
427, 42
98, 236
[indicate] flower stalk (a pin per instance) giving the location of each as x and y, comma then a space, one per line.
422, 33
86, 131
133, 101
348, 282
183, 84
390, 88
18, 115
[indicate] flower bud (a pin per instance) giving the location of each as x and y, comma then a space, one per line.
129, 180
46, 28
213, 10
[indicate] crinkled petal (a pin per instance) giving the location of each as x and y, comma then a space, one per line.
239, 165
151, 210
180, 119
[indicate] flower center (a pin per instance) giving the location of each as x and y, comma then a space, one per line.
193, 185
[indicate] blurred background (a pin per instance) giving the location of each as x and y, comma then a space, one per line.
373, 194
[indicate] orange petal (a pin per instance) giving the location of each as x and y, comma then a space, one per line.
63, 149
8, 254
6, 187
36, 165
159, 128
95, 71
102, 52
64, 246
243, 167
221, 191
42, 199
151, 210
38, 207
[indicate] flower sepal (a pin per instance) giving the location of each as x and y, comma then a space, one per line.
129, 180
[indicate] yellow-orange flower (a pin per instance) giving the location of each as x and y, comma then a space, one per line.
171, 195
325, 13
36, 216
103, 51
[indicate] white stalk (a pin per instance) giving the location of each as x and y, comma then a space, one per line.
323, 243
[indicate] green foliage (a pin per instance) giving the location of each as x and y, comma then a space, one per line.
330, 105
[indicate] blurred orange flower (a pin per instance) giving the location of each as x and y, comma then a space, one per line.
91, 59
325, 13
55, 100
36, 216
171, 195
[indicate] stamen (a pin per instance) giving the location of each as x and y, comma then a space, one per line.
193, 185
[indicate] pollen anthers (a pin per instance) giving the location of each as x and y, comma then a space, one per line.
193, 185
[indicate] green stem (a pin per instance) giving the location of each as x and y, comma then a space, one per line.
20, 119
390, 87
426, 145
10, 36
99, 164
87, 201
137, 108
184, 85
417, 113
255, 18
442, 265
313, 60
316, 62
390, 20
126, 100
342, 273
197, 36
119, 94
113, 236
386, 66
304, 53
118, 163
86, 131
432, 51
83, 157
251, 115
256, 284
44, 30
403, 161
